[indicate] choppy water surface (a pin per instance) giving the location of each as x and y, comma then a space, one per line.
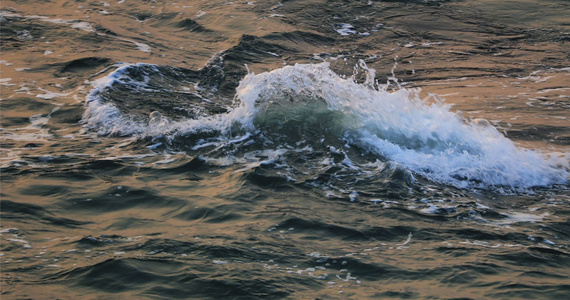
294, 149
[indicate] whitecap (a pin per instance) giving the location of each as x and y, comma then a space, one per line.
422, 135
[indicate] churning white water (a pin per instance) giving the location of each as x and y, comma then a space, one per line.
422, 135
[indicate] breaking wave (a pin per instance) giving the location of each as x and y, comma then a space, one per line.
308, 107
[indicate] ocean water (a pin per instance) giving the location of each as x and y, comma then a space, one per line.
285, 149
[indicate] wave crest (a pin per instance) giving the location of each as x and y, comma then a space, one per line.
311, 105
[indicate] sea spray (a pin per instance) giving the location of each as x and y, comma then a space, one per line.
310, 102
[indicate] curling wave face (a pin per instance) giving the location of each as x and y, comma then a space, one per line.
303, 108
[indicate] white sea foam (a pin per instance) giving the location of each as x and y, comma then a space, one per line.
519, 217
423, 136
426, 138
50, 95
344, 29
5, 82
142, 47
35, 131
219, 262
74, 23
